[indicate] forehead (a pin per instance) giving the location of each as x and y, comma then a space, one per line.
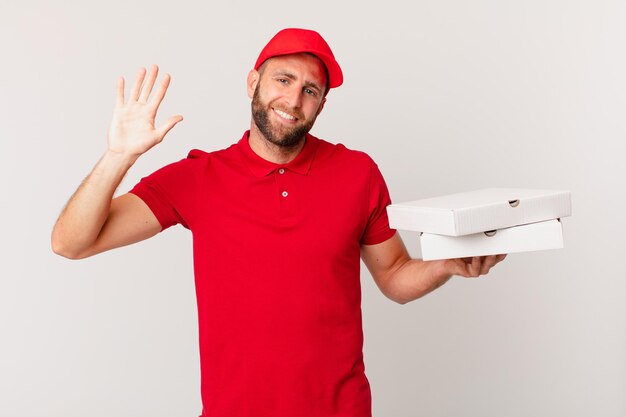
307, 66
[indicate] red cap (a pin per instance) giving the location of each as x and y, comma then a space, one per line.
294, 41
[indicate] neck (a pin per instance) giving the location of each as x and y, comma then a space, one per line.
270, 151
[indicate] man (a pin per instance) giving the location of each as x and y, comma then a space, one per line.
280, 221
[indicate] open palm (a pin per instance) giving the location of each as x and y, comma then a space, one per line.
132, 131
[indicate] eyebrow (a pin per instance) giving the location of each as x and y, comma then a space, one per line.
291, 76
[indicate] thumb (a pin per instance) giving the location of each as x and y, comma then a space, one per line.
167, 125
458, 267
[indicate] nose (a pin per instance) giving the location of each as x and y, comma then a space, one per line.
294, 96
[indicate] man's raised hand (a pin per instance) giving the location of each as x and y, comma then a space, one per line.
132, 131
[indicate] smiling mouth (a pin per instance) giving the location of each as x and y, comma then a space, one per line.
284, 115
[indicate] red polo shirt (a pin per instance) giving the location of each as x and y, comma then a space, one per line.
276, 258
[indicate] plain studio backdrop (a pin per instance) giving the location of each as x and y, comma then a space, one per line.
447, 96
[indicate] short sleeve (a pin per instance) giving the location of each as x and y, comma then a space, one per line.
170, 192
377, 230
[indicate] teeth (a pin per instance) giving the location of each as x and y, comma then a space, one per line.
284, 115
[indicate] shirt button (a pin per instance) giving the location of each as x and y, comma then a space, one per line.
284, 193
281, 171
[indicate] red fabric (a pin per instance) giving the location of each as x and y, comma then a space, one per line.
277, 278
294, 41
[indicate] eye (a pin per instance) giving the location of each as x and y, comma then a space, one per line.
310, 92
282, 80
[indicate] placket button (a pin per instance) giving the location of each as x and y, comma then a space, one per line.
284, 193
281, 171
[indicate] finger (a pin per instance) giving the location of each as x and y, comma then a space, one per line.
134, 95
474, 266
168, 125
147, 88
487, 264
160, 91
500, 258
120, 92
460, 267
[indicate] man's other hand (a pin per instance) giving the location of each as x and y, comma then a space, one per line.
469, 267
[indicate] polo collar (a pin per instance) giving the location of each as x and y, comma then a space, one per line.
261, 167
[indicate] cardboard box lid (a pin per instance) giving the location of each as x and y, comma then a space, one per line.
478, 211
530, 237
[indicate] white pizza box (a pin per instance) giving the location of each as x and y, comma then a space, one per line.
530, 237
477, 211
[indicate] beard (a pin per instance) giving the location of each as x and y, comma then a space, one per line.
281, 136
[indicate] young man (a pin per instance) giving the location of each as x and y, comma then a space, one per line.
280, 221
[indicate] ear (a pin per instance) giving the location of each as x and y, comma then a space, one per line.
253, 80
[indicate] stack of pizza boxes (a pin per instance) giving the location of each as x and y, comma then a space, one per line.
485, 222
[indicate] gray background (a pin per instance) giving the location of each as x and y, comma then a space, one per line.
446, 96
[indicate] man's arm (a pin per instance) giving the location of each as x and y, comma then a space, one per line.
92, 221
403, 279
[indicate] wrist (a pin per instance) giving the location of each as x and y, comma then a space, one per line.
440, 271
119, 159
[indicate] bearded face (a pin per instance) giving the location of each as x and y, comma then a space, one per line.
267, 115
